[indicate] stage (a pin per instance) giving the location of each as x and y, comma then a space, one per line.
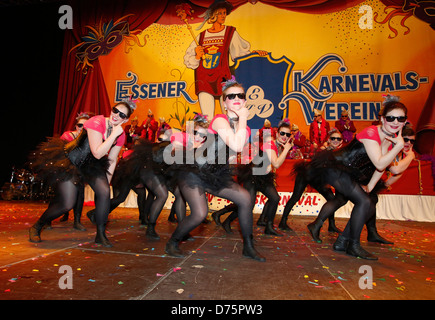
213, 269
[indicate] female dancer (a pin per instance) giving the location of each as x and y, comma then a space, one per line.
145, 165
90, 158
334, 142
69, 136
227, 132
354, 171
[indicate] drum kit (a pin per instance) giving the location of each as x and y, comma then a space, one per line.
25, 185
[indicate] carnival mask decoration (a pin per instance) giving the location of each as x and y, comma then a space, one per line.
102, 39
423, 10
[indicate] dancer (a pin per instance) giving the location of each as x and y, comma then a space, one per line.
90, 158
228, 134
395, 171
354, 171
69, 136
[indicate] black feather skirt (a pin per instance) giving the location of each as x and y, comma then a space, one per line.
55, 160
351, 160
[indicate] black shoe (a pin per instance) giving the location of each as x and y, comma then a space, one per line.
173, 250
340, 244
101, 237
35, 232
151, 232
355, 249
333, 228
227, 226
249, 250
270, 230
79, 226
373, 236
314, 229
171, 218
284, 226
216, 218
261, 222
91, 216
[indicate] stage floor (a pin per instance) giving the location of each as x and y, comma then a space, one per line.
214, 268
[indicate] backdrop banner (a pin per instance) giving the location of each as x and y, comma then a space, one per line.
292, 57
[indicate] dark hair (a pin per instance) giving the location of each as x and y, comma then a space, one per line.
391, 105
408, 131
284, 123
130, 110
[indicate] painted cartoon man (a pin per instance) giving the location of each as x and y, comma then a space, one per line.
210, 60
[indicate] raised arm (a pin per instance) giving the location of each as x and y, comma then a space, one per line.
374, 151
234, 140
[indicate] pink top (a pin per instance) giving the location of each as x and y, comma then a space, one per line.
269, 145
98, 123
180, 137
67, 136
371, 133
210, 128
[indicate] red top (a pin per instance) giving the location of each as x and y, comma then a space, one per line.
98, 123
67, 136
180, 137
269, 145
371, 133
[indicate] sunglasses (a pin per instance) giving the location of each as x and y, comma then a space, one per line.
336, 138
79, 125
232, 96
122, 115
391, 118
412, 141
202, 135
282, 133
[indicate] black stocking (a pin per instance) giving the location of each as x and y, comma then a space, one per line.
244, 201
179, 205
197, 200
352, 191
65, 199
272, 203
78, 208
160, 191
298, 190
101, 188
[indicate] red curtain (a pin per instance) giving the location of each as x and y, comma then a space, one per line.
79, 92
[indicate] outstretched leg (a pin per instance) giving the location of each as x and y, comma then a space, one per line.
64, 200
244, 202
195, 196
299, 188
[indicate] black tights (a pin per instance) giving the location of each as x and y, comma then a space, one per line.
65, 199
156, 185
348, 189
157, 194
196, 198
270, 207
300, 184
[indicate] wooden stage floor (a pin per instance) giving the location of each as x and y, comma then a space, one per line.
214, 268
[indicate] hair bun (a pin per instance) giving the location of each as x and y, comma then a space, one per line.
390, 98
